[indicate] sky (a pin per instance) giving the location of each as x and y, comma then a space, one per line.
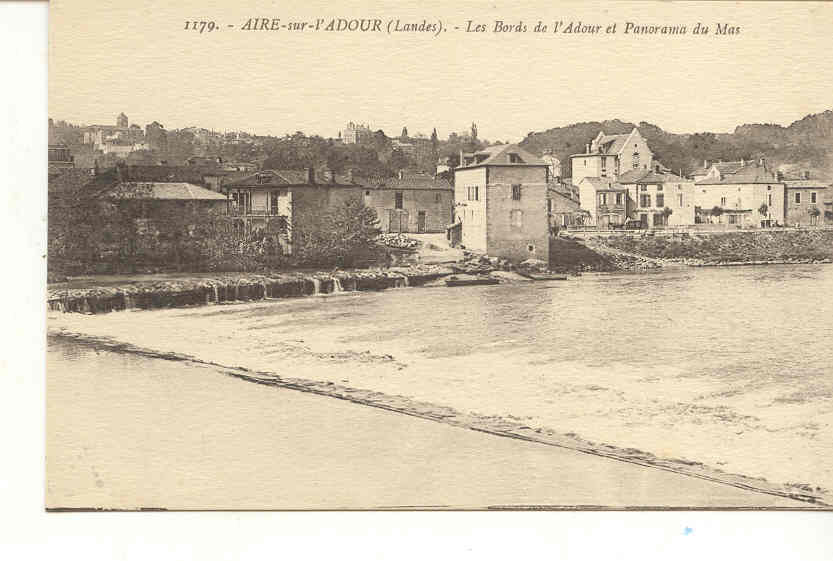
109, 56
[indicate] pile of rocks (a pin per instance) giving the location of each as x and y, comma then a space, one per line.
397, 241
475, 264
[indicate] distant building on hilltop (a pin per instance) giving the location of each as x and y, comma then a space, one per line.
121, 121
356, 134
156, 137
500, 201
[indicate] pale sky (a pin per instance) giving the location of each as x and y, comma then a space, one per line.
111, 56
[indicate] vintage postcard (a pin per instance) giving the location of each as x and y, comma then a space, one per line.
439, 255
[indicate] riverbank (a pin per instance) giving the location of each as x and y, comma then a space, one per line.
305, 450
697, 378
732, 248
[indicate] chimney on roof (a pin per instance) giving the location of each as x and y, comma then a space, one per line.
310, 175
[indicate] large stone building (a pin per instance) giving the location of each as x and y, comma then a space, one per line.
500, 198
356, 134
805, 200
745, 194
59, 158
609, 155
411, 202
283, 202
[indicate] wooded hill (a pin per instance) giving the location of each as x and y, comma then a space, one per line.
806, 144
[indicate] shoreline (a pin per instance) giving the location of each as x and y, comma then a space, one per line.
246, 287
814, 498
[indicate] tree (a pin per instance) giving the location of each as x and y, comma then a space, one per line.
666, 212
716, 211
342, 236
404, 135
763, 209
474, 132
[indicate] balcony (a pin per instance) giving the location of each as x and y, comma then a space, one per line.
248, 211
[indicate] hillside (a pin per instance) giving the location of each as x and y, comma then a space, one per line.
805, 144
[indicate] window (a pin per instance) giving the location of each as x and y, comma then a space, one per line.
644, 200
437, 197
679, 187
367, 193
398, 201
798, 198
680, 201
733, 219
473, 193
516, 192
643, 187
658, 220
722, 201
659, 187
604, 164
516, 218
635, 160
769, 187
549, 205
660, 200
813, 198
618, 198
602, 198
769, 199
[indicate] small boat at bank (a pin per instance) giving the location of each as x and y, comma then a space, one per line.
546, 277
470, 281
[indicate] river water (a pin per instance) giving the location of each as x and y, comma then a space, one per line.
730, 367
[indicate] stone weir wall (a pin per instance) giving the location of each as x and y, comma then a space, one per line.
231, 288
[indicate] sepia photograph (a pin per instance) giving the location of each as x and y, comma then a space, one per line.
439, 256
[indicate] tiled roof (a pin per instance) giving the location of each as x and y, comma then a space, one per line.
162, 191
500, 155
806, 183
648, 176
415, 181
748, 173
278, 178
186, 174
612, 143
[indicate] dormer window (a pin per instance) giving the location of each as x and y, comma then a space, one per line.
514, 158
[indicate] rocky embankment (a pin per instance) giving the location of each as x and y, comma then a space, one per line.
734, 248
172, 293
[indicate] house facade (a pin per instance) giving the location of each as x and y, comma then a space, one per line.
411, 202
658, 198
563, 206
609, 155
279, 202
805, 201
588, 188
500, 198
743, 194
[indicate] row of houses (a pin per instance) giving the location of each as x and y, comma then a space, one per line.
274, 201
620, 183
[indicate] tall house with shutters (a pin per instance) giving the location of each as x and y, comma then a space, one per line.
500, 201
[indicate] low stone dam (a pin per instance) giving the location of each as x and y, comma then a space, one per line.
173, 293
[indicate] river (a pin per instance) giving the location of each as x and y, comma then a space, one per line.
728, 367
